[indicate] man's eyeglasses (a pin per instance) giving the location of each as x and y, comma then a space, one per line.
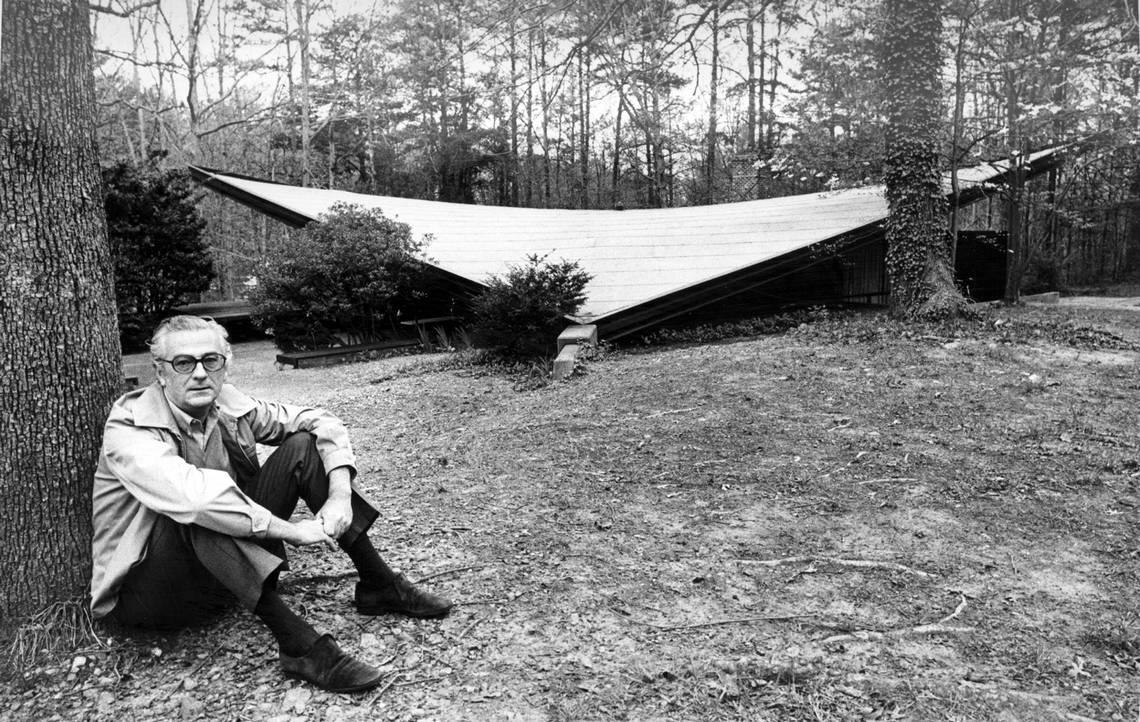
186, 364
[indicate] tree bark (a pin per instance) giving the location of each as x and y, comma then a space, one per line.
714, 80
750, 47
1014, 221
302, 7
921, 280
59, 348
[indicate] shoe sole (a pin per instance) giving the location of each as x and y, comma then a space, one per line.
337, 690
375, 611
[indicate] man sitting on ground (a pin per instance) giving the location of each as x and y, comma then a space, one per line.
186, 521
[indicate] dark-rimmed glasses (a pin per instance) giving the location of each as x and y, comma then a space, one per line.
186, 364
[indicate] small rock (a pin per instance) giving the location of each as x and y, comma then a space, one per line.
296, 699
191, 707
106, 702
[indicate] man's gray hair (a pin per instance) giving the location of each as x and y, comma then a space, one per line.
187, 323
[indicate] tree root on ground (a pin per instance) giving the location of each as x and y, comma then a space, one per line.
852, 563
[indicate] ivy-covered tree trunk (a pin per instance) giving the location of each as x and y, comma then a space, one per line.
59, 348
918, 251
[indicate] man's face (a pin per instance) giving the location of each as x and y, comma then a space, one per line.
193, 392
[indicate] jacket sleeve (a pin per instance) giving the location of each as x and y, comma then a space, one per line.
271, 422
147, 464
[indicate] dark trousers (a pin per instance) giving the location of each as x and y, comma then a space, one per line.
189, 574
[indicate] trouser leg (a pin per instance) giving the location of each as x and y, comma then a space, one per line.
190, 574
294, 472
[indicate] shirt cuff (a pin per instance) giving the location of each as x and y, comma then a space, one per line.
259, 521
338, 458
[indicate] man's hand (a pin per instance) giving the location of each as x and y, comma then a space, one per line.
308, 531
336, 515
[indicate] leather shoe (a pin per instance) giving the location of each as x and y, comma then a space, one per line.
331, 669
401, 596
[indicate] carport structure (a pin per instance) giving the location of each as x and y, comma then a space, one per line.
651, 267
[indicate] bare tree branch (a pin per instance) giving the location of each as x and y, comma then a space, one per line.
254, 118
125, 12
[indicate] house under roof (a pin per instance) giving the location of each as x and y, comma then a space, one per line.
649, 267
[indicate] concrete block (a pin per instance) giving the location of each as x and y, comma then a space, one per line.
564, 363
583, 335
1050, 297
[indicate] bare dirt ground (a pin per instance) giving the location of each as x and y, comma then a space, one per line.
856, 520
1103, 302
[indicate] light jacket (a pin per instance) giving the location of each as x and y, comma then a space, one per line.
142, 474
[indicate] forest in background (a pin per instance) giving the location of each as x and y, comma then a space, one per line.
622, 104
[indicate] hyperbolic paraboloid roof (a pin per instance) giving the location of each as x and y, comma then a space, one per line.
634, 256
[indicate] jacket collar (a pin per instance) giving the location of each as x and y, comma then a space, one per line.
153, 410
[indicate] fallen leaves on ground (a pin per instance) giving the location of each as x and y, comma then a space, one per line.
854, 520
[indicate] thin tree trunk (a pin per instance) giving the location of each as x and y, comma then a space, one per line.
584, 113
194, 16
512, 163
714, 92
1013, 215
302, 8
750, 50
956, 155
615, 177
762, 135
530, 161
775, 79
544, 93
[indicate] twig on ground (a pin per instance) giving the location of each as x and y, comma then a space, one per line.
481, 602
501, 600
423, 680
1017, 693
655, 414
469, 628
382, 690
848, 465
291, 581
202, 663
716, 623
1078, 717
450, 529
446, 572
921, 630
899, 479
957, 610
391, 658
854, 563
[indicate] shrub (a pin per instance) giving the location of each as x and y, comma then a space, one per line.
1041, 276
155, 234
344, 279
520, 316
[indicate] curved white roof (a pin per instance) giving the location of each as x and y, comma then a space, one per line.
633, 256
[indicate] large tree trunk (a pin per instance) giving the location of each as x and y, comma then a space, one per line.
918, 268
59, 348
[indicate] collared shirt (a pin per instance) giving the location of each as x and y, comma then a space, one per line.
202, 444
154, 462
